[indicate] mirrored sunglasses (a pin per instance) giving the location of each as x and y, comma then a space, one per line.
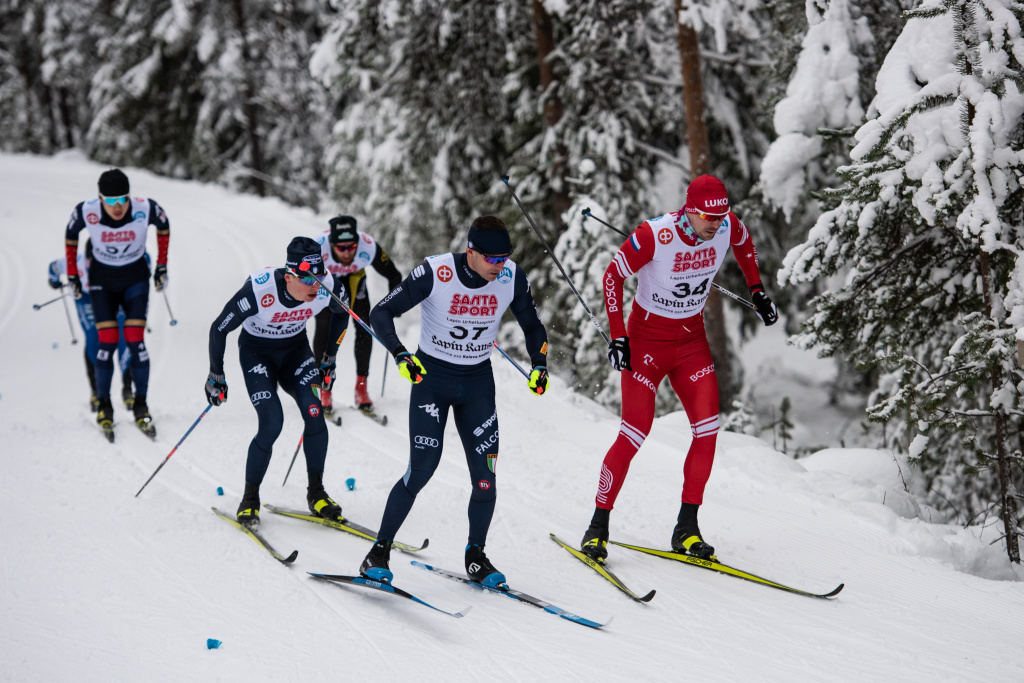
495, 260
304, 279
712, 217
115, 201
346, 247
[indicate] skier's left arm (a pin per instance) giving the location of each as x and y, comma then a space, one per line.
525, 310
383, 264
158, 219
339, 320
746, 255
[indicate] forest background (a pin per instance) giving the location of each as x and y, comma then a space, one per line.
872, 147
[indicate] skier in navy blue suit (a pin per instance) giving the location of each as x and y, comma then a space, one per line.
273, 307
462, 298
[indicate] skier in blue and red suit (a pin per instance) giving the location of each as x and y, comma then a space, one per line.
119, 278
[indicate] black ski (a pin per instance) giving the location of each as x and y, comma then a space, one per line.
256, 536
384, 588
332, 416
602, 570
512, 593
344, 525
716, 566
369, 412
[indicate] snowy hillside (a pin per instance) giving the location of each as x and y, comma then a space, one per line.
97, 585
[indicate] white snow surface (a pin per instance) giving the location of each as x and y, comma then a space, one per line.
98, 585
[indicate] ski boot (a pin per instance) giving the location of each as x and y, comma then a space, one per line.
686, 537
249, 509
127, 395
375, 564
321, 505
142, 417
94, 403
595, 540
105, 417
363, 401
480, 569
328, 405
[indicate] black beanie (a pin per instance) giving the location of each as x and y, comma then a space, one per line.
305, 249
113, 183
343, 229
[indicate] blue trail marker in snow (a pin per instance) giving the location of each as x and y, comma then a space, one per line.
351, 483
212, 643
220, 490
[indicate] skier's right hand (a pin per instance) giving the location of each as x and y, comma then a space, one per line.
216, 389
618, 353
409, 366
76, 286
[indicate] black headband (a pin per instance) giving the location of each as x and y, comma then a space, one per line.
490, 242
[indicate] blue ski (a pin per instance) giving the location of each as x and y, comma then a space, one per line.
384, 588
514, 594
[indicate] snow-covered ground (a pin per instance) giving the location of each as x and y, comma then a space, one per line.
97, 585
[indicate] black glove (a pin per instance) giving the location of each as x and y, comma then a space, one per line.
216, 389
766, 309
618, 353
328, 372
76, 286
160, 276
54, 277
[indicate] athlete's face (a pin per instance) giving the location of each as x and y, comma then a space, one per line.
705, 225
344, 253
482, 267
116, 212
300, 291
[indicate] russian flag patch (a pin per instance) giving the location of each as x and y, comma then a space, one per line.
635, 242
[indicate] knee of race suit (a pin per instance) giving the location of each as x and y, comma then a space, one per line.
484, 490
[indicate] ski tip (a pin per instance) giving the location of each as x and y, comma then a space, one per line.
426, 542
462, 612
648, 597
835, 591
290, 558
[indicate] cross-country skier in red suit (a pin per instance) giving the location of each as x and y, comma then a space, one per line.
119, 277
675, 257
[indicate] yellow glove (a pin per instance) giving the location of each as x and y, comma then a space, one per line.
410, 367
539, 379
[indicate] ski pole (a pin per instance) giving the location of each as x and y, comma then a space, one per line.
384, 376
304, 267
201, 416
36, 307
720, 288
293, 460
71, 327
510, 360
600, 329
174, 321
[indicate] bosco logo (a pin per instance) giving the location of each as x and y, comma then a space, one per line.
92, 219
267, 300
314, 410
444, 273
665, 236
262, 278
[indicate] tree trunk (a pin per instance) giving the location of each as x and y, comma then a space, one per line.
251, 112
700, 164
1006, 491
545, 32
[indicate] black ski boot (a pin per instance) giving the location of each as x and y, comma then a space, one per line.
686, 537
595, 540
480, 569
249, 509
375, 564
320, 504
127, 395
142, 417
105, 417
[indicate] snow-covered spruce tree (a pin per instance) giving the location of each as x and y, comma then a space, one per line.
614, 77
426, 91
928, 228
47, 60
216, 91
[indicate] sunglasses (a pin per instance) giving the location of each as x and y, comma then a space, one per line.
115, 201
712, 218
346, 247
493, 260
304, 279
